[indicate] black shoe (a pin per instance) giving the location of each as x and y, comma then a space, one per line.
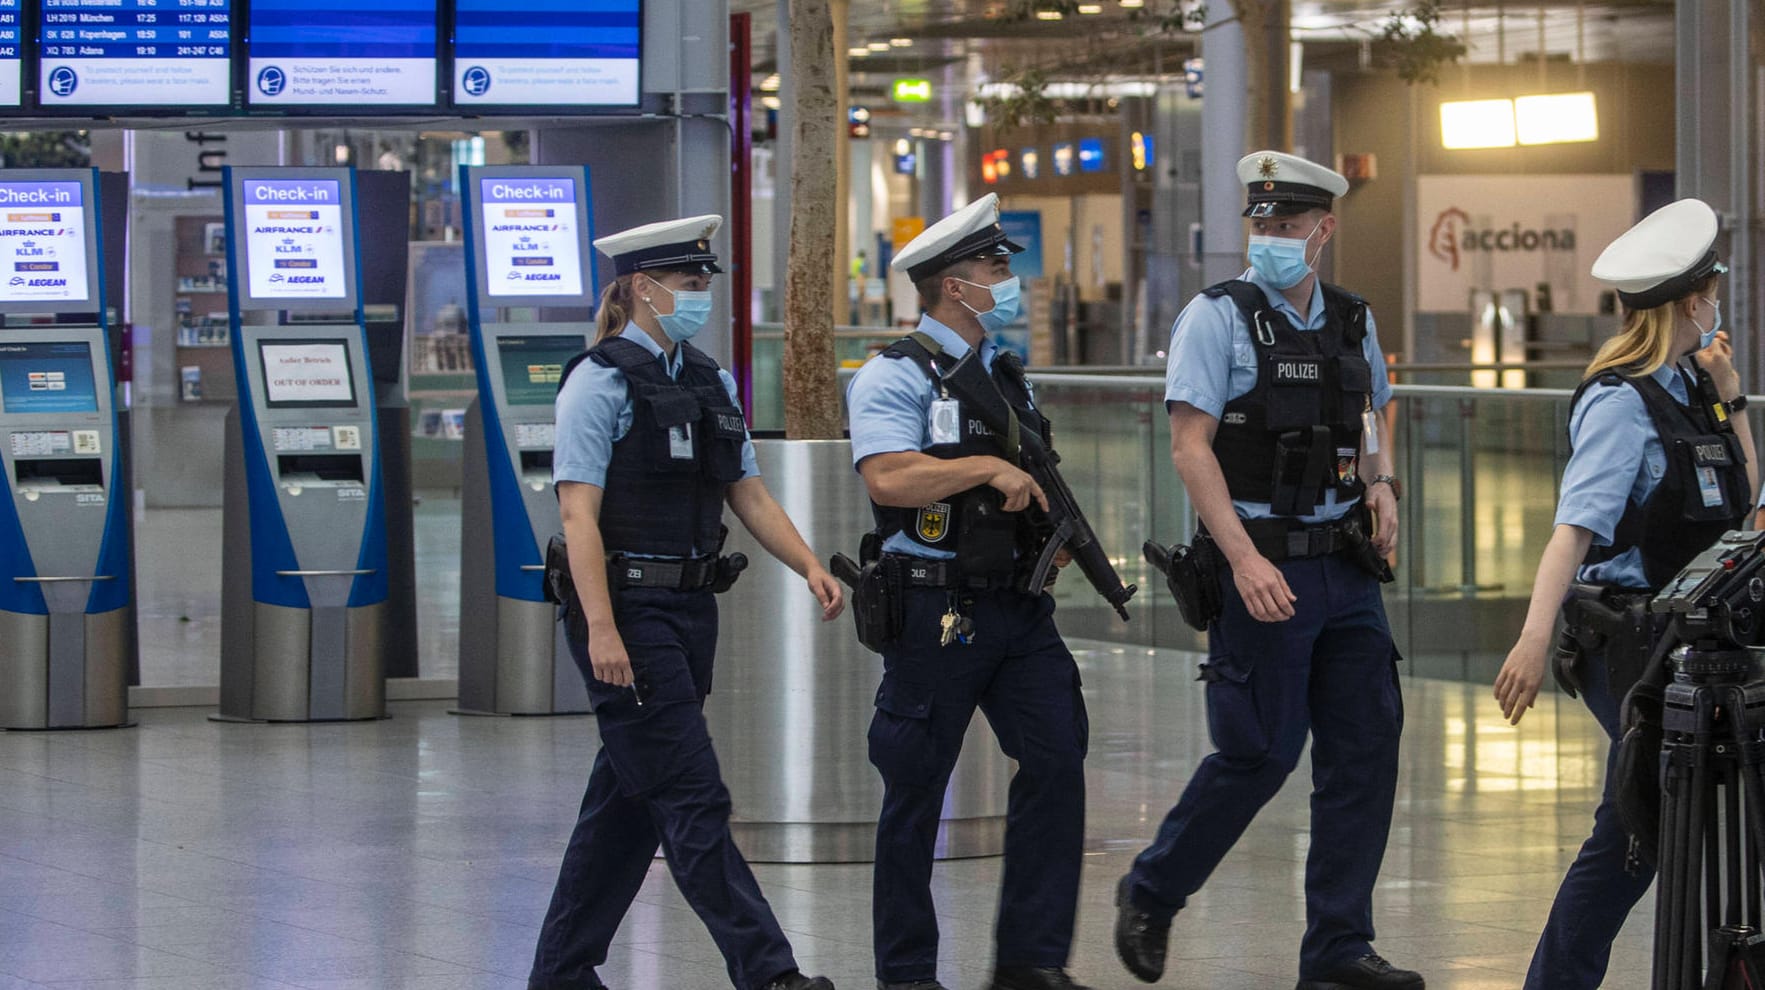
794, 980
1369, 972
912, 985
1141, 940
1032, 978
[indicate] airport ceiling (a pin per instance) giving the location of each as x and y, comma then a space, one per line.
976, 41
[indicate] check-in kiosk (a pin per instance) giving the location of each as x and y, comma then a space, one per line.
65, 591
530, 295
305, 566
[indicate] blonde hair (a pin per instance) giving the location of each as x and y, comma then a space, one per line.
615, 309
1645, 342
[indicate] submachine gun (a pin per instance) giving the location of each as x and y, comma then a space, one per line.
1064, 521
1695, 729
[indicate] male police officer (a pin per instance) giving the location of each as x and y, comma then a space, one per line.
949, 508
1273, 385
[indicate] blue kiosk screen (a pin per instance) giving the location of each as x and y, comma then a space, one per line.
47, 378
135, 53
564, 53
533, 367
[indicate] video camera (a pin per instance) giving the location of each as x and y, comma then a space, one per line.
1718, 600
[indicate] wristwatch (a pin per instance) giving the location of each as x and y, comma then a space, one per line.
1396, 486
1736, 404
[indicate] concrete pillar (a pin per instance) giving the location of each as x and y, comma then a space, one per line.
783, 148
1715, 99
1222, 121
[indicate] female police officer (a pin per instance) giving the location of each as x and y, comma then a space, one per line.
650, 444
1660, 468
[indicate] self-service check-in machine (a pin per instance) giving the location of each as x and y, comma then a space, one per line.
66, 644
305, 566
530, 295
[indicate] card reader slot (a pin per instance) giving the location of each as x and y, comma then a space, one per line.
59, 472
536, 460
322, 467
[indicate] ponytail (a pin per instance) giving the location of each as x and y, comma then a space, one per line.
615, 309
1646, 341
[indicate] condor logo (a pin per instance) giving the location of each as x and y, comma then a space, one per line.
1297, 372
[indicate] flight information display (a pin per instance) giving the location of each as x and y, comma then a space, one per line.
364, 53
11, 38
164, 54
546, 53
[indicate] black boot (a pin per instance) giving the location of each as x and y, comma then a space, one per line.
1033, 978
1141, 940
794, 980
1369, 972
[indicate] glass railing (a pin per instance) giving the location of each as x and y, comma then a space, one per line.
1481, 468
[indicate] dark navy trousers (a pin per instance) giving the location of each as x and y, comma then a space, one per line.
1598, 892
656, 783
1329, 671
1019, 673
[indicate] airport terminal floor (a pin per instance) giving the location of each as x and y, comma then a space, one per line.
420, 851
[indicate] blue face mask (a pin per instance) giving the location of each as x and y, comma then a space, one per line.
1708, 337
1006, 300
1281, 261
692, 310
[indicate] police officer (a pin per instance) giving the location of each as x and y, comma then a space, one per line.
650, 445
949, 509
1660, 469
1273, 385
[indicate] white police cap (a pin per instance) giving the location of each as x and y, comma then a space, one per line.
1663, 257
971, 232
676, 245
1279, 184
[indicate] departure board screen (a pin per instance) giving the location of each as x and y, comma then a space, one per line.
354, 53
162, 54
11, 41
547, 53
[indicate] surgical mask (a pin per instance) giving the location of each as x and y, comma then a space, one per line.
1708, 337
692, 310
1281, 261
1006, 301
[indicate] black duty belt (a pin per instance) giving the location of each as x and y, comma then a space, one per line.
1282, 539
675, 573
921, 572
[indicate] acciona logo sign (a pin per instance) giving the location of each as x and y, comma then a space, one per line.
1454, 236
1500, 232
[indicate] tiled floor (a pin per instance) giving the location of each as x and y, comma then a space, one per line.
419, 852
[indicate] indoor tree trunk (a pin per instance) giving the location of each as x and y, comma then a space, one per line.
811, 385
1268, 117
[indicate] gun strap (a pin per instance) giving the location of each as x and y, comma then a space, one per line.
962, 384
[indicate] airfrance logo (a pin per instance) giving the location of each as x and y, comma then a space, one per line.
475, 81
1452, 237
271, 81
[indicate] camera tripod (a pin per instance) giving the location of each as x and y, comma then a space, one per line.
1712, 827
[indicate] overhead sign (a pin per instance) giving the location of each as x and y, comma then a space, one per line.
294, 233
531, 244
137, 53
911, 91
43, 243
11, 51
365, 53
1501, 232
554, 53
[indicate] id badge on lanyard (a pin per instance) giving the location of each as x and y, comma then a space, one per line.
680, 442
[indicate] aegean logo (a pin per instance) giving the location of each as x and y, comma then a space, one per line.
1452, 237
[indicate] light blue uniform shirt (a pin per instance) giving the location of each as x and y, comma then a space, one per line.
594, 412
1618, 458
1213, 361
889, 403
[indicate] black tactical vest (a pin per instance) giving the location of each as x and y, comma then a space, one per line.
1704, 492
1297, 433
972, 524
665, 485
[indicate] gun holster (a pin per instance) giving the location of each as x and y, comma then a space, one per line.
876, 594
1357, 531
728, 569
1614, 626
560, 587
1193, 575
